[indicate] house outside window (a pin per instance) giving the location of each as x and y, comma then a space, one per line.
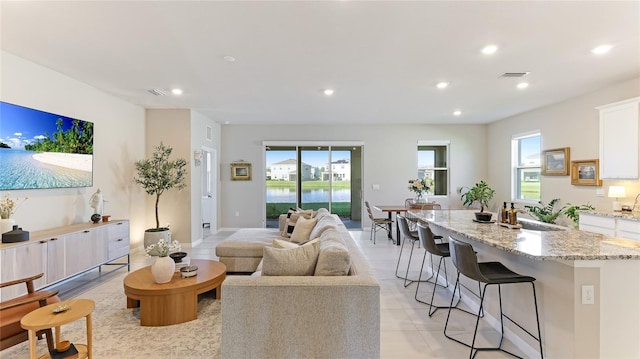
525, 159
433, 164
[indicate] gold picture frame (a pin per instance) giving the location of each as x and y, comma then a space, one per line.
585, 173
555, 162
241, 171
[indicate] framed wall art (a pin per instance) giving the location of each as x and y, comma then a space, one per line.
555, 162
585, 173
241, 171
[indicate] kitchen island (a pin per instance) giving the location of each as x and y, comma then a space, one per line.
563, 260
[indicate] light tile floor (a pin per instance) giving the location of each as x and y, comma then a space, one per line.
406, 329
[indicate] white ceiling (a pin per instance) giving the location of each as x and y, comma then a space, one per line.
382, 58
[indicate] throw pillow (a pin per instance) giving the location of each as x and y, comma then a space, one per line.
280, 244
292, 221
302, 229
286, 223
333, 260
299, 261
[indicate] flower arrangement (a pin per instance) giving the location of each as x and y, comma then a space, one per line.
420, 186
9, 206
162, 248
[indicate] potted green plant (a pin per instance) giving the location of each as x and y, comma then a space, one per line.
157, 175
545, 213
481, 193
573, 212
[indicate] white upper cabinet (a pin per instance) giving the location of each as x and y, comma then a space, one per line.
619, 139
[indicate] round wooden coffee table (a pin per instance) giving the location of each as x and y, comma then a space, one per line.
174, 302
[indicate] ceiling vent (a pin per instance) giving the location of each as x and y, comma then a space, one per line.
514, 74
158, 92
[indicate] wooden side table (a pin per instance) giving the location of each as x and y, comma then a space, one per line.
43, 318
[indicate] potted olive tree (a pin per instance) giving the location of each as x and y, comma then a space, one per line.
157, 175
481, 193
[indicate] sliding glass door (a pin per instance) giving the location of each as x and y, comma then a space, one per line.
312, 177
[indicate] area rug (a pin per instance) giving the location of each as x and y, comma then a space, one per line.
117, 332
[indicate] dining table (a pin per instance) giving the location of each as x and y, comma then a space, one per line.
390, 209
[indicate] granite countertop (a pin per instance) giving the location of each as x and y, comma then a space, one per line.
567, 244
632, 216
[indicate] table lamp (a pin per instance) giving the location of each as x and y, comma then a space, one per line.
617, 192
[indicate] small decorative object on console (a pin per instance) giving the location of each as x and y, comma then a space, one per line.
60, 309
95, 218
16, 235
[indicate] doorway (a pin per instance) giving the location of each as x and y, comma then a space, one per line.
209, 191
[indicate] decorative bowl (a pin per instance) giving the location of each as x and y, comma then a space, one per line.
63, 346
177, 256
188, 271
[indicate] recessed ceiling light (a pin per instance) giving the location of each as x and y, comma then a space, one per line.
489, 49
229, 58
176, 91
442, 85
328, 92
523, 85
457, 113
602, 49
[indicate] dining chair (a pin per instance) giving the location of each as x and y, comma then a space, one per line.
377, 223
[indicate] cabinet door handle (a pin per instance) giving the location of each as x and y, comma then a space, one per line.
120, 239
43, 241
119, 223
54, 239
86, 231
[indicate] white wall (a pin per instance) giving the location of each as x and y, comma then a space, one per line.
118, 143
171, 127
390, 160
573, 124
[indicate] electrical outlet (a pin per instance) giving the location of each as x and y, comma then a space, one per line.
375, 186
588, 294
237, 213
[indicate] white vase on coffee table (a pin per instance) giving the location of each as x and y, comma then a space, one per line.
163, 269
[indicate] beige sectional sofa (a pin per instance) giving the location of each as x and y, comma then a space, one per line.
314, 316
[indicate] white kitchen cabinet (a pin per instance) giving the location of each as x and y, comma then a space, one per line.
613, 226
628, 229
619, 138
597, 224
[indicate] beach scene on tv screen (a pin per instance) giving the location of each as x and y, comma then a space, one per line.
43, 150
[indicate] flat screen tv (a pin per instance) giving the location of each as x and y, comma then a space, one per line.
43, 150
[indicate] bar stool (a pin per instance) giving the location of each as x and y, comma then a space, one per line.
488, 273
439, 249
412, 236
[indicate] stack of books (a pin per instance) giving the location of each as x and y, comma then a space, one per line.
183, 263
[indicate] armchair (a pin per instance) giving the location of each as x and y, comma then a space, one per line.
12, 311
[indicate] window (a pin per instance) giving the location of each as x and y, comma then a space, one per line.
433, 163
525, 159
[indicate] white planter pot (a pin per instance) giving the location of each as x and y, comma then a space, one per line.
6, 225
153, 238
163, 269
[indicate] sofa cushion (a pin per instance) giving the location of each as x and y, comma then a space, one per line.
324, 223
299, 261
247, 242
333, 257
303, 229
